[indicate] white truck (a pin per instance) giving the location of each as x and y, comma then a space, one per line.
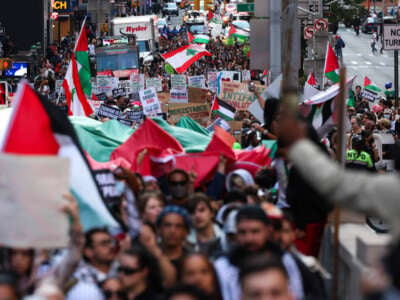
145, 29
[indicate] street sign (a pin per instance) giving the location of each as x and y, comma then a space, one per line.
245, 7
326, 7
308, 32
321, 24
308, 22
391, 37
313, 8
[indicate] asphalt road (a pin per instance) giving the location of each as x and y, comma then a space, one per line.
359, 60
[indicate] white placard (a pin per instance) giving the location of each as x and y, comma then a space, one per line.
150, 103
178, 96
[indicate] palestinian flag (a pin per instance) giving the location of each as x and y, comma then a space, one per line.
210, 15
76, 83
310, 87
369, 85
182, 58
53, 134
190, 37
331, 68
201, 39
238, 32
223, 109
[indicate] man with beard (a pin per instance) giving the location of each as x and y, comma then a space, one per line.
254, 235
99, 253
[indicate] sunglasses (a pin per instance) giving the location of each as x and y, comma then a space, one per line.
108, 294
178, 182
127, 270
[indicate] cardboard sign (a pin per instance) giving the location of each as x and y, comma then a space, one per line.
135, 115
106, 111
233, 87
137, 82
178, 96
118, 92
198, 112
108, 188
197, 95
178, 81
240, 101
154, 82
197, 81
212, 81
102, 97
369, 95
105, 84
236, 127
150, 103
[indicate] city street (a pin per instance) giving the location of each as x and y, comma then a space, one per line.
360, 61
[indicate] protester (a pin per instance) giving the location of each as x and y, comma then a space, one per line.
112, 289
150, 205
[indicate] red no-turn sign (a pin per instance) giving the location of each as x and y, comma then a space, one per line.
308, 32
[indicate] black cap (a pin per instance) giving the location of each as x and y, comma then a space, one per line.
252, 212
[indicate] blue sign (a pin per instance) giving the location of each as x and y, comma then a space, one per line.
18, 69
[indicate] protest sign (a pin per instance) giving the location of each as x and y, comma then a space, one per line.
95, 105
59, 86
120, 92
178, 96
106, 111
197, 81
135, 115
212, 81
125, 121
30, 214
369, 95
154, 82
233, 87
230, 76
150, 103
178, 81
246, 75
108, 188
240, 101
221, 123
197, 95
125, 84
102, 97
134, 96
137, 82
163, 97
198, 112
104, 84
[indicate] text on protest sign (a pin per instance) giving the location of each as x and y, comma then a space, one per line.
178, 96
126, 84
197, 95
120, 92
197, 81
137, 82
102, 97
212, 81
104, 84
135, 115
178, 81
125, 121
391, 37
150, 103
106, 181
106, 111
369, 95
154, 82
198, 112
240, 101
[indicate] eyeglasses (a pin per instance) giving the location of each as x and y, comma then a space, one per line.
178, 182
105, 243
128, 270
108, 294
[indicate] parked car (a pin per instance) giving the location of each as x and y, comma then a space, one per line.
170, 9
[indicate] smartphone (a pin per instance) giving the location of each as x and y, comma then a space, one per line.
251, 87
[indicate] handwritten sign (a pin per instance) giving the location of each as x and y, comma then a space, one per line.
197, 81
198, 112
154, 82
197, 95
150, 103
125, 84
137, 82
178, 81
212, 81
240, 101
233, 87
178, 96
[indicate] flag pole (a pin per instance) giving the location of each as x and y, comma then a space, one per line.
323, 70
340, 108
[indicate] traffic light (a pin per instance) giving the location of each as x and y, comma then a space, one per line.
5, 64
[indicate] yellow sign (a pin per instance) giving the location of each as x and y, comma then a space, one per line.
60, 4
